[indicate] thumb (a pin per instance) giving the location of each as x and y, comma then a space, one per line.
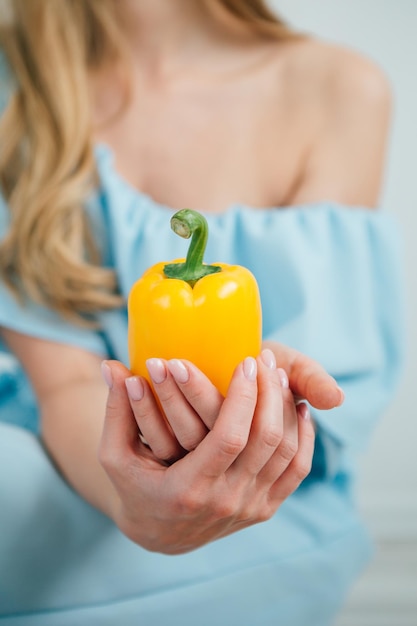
120, 430
308, 379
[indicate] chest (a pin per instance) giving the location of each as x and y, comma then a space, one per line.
207, 148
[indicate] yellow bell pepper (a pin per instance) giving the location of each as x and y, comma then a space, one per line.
207, 314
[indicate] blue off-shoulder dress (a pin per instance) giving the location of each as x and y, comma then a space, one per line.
331, 285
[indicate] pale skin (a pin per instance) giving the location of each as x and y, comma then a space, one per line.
294, 122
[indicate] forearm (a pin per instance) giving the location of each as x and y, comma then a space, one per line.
72, 421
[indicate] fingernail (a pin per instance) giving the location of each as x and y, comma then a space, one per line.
156, 369
106, 373
303, 411
268, 357
250, 368
342, 395
178, 370
134, 387
283, 378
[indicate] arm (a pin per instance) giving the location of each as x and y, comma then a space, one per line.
72, 398
258, 432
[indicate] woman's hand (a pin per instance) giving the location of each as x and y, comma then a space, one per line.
246, 453
187, 418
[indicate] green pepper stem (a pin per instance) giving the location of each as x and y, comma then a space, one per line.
188, 223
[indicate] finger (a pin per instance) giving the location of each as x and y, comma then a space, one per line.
308, 379
199, 391
230, 433
153, 426
268, 423
300, 466
120, 433
186, 425
288, 446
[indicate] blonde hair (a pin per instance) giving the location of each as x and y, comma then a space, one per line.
47, 165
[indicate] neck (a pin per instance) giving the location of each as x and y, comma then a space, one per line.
161, 32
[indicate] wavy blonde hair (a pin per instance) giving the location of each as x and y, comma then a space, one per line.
47, 165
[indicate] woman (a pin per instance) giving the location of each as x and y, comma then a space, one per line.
218, 106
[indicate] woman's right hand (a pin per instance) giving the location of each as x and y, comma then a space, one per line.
252, 456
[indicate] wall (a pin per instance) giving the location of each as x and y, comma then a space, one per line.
385, 30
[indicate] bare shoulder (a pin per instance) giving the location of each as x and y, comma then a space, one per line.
352, 77
337, 75
347, 97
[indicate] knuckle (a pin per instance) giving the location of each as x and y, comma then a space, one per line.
265, 513
112, 407
190, 441
165, 451
250, 513
309, 437
257, 513
272, 436
288, 448
246, 396
189, 502
166, 393
103, 458
301, 466
109, 460
194, 393
232, 444
194, 502
224, 509
275, 383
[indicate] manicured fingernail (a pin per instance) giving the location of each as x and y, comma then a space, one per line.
268, 357
106, 373
156, 369
178, 370
134, 387
250, 368
302, 410
342, 396
283, 378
